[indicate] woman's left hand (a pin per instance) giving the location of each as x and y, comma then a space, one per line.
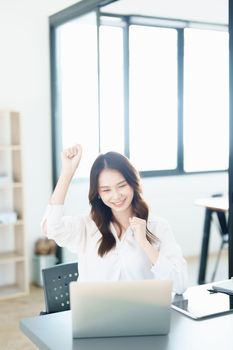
139, 228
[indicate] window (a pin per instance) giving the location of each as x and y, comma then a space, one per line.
152, 83
206, 140
77, 73
158, 94
111, 89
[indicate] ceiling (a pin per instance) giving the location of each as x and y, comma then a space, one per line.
211, 11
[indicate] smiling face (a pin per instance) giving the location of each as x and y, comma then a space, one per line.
114, 191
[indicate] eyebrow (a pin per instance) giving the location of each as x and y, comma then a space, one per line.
119, 183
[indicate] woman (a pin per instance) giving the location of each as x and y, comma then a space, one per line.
118, 240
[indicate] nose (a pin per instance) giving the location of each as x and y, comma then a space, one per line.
116, 194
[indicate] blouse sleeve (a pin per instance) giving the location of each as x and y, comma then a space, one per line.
66, 231
170, 263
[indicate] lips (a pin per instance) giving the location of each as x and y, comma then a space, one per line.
119, 204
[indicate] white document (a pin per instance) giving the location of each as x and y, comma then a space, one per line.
224, 286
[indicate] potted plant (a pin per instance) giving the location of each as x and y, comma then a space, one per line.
44, 257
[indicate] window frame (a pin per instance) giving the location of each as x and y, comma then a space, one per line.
92, 5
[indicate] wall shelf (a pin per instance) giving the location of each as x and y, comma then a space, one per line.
10, 148
11, 256
10, 184
17, 223
14, 279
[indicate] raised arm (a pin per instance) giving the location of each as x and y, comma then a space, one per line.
67, 231
70, 158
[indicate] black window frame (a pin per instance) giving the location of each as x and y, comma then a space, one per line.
86, 6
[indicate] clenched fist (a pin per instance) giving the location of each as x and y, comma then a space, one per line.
71, 158
139, 228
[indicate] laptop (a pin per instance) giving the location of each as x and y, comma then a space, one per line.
122, 308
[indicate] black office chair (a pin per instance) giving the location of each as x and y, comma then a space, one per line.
56, 281
223, 230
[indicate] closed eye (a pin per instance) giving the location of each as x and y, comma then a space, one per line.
123, 185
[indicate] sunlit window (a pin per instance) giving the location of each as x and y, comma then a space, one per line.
153, 97
111, 89
78, 87
206, 98
126, 87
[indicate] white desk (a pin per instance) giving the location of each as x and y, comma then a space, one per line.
215, 203
53, 332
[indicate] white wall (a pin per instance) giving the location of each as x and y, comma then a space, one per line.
24, 86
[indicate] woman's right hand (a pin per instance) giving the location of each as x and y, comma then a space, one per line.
71, 158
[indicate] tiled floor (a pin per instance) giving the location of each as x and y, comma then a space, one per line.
12, 310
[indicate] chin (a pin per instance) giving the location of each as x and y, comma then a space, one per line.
121, 209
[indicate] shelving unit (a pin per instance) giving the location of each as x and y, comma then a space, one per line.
14, 279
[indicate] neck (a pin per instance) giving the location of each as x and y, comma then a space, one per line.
123, 217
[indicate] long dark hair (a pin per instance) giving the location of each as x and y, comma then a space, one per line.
101, 214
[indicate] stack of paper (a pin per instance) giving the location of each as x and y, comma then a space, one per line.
224, 286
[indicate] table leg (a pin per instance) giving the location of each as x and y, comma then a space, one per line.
205, 246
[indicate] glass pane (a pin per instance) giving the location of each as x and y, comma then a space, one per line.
111, 89
206, 99
78, 86
153, 97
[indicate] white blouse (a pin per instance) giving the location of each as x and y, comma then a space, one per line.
127, 261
